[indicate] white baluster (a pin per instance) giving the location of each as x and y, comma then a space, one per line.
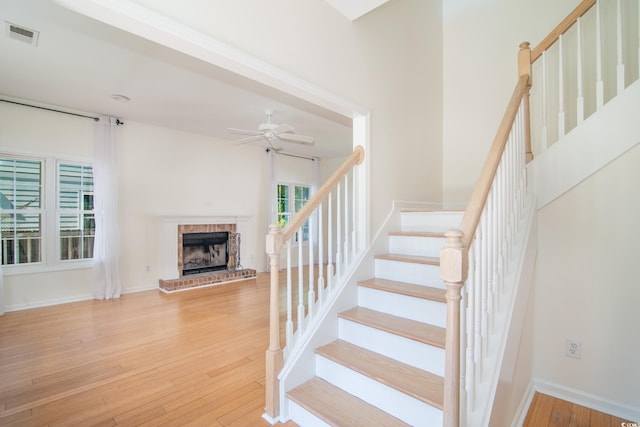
320, 256
521, 164
500, 238
338, 232
300, 288
463, 354
545, 129
469, 357
312, 293
477, 302
507, 195
289, 325
580, 100
330, 268
561, 120
485, 281
599, 81
620, 68
493, 256
347, 233
354, 244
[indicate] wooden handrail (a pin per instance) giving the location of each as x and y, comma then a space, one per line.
481, 191
580, 10
275, 241
356, 158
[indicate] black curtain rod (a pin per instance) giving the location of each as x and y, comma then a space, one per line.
313, 159
118, 121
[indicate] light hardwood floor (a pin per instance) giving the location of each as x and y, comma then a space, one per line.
547, 411
195, 358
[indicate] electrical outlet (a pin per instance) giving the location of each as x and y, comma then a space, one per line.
573, 349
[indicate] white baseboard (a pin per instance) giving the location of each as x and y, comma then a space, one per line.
58, 301
47, 303
592, 401
523, 409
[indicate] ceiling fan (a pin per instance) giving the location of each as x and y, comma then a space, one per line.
272, 133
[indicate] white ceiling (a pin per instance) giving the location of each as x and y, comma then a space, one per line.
79, 63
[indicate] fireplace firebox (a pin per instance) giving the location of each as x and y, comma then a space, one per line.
204, 252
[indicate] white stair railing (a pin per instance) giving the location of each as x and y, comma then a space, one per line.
336, 201
591, 57
476, 257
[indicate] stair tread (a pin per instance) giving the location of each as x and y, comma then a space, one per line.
411, 329
416, 259
409, 289
339, 408
436, 234
420, 384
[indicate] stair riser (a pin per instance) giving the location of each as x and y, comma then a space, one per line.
417, 274
421, 310
430, 221
388, 399
303, 417
415, 245
405, 350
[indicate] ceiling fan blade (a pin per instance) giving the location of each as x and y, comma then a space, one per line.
283, 128
244, 131
247, 140
301, 139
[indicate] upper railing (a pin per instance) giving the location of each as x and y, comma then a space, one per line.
332, 253
588, 59
477, 257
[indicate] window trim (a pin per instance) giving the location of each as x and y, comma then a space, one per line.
50, 257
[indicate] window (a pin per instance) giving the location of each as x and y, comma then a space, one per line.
299, 195
47, 211
21, 194
76, 219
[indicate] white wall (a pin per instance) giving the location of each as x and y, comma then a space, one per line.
166, 173
517, 369
480, 40
162, 173
39, 132
388, 61
587, 285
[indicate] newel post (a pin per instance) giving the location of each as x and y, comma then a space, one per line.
524, 69
453, 270
274, 359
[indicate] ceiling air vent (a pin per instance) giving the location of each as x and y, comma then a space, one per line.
22, 34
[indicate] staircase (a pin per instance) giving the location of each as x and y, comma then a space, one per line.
386, 368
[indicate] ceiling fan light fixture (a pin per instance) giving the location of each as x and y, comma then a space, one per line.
272, 132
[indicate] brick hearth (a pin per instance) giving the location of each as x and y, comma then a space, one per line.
205, 279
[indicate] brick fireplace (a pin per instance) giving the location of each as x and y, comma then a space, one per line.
179, 275
201, 229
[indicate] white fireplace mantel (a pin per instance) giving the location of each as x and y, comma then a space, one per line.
169, 237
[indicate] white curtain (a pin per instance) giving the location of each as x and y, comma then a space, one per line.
106, 250
1, 292
270, 191
315, 186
